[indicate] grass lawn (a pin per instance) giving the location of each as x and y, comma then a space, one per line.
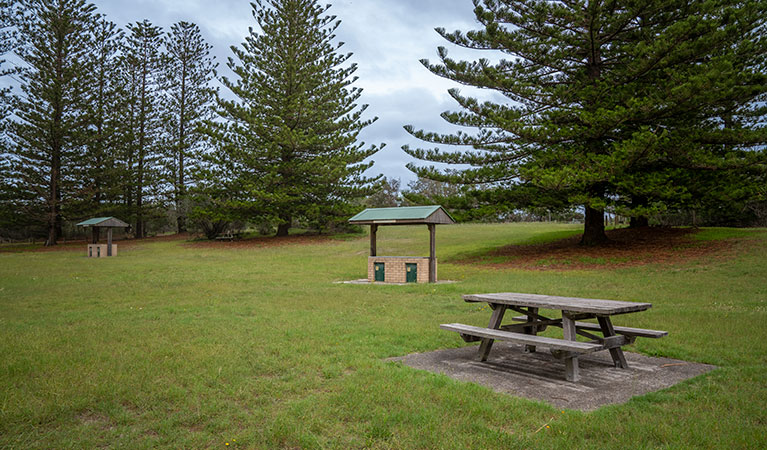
172, 345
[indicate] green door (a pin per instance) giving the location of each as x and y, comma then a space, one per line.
411, 273
379, 271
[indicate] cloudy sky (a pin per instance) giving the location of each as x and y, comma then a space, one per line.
387, 37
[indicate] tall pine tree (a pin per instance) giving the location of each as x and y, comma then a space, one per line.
287, 148
142, 63
608, 104
188, 71
98, 168
55, 38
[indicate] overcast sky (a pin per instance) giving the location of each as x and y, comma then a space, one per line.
387, 37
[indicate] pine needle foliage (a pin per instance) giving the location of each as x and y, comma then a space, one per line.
54, 41
142, 59
188, 72
7, 42
608, 104
99, 166
287, 147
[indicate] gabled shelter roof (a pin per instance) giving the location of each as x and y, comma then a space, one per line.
407, 215
111, 222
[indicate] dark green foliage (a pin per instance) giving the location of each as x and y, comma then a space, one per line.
142, 63
100, 170
609, 105
55, 38
188, 70
286, 148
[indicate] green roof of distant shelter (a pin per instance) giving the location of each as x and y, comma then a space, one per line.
404, 215
103, 222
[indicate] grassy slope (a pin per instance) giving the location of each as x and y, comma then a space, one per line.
173, 346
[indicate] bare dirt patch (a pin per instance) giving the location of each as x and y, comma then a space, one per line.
626, 248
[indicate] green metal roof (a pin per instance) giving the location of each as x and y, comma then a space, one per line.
104, 222
407, 213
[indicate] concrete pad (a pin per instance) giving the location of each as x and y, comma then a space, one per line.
540, 376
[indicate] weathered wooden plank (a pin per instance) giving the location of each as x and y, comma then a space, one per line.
373, 247
628, 331
432, 253
616, 352
574, 304
495, 322
486, 333
572, 373
532, 330
539, 324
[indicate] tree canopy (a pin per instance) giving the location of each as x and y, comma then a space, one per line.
637, 107
287, 147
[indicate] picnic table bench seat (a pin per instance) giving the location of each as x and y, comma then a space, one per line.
520, 338
628, 331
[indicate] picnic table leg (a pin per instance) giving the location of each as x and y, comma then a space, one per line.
619, 359
495, 323
571, 361
531, 330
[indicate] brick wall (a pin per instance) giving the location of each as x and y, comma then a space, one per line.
100, 250
395, 268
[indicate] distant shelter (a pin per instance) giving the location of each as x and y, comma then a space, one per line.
95, 249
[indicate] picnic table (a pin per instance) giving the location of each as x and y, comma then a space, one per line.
228, 236
573, 312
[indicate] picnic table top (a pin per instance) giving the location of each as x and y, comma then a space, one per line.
582, 305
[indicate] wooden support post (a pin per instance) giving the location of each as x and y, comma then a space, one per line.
619, 359
432, 253
531, 330
373, 230
495, 323
109, 242
571, 361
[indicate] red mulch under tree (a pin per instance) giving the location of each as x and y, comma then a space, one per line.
626, 248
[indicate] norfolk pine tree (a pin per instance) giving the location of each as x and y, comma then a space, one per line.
608, 104
289, 140
99, 169
188, 71
55, 38
142, 63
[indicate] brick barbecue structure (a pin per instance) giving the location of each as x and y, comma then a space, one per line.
403, 269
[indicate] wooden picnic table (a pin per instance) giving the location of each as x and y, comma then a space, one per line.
573, 311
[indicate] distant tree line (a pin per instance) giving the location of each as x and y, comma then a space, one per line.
125, 122
653, 110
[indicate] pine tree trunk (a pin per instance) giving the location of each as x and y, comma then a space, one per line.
639, 222
180, 191
53, 206
594, 227
282, 229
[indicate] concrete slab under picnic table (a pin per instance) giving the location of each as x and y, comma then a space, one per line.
540, 376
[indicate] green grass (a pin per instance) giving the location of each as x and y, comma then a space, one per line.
173, 346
